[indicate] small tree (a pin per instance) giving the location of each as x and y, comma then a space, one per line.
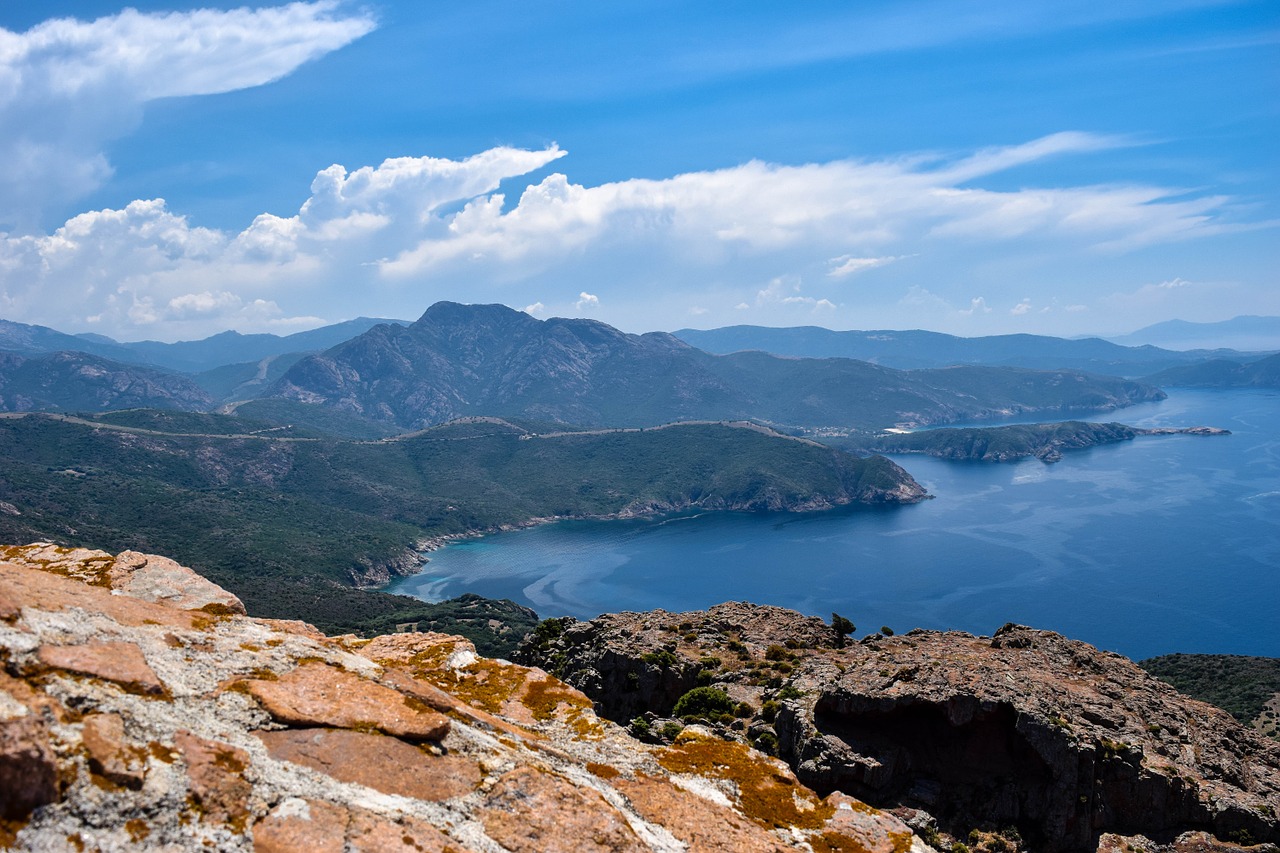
843, 628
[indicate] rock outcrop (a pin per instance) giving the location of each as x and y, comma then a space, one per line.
134, 717
1047, 740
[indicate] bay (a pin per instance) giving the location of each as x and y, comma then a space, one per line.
1161, 544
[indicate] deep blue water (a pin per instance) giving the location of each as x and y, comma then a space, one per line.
1162, 544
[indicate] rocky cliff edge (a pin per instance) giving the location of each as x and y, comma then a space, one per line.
141, 710
1025, 740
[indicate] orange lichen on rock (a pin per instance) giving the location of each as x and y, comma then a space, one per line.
316, 694
120, 662
385, 763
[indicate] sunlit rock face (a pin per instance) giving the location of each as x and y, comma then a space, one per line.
141, 710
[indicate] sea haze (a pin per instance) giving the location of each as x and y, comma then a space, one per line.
1157, 545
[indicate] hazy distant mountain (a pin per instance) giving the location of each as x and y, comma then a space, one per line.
37, 340
1247, 333
460, 360
913, 349
77, 381
188, 356
1222, 373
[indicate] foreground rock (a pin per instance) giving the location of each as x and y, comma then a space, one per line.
138, 723
1025, 739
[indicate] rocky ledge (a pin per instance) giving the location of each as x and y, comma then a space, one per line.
141, 710
1024, 740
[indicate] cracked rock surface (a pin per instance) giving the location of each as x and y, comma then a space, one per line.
146, 712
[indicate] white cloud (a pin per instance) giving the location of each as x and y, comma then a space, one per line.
67, 87
698, 310
395, 237
1021, 308
847, 265
535, 309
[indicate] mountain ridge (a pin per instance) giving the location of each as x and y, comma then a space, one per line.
459, 360
917, 348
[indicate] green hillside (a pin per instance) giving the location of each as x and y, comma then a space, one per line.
293, 524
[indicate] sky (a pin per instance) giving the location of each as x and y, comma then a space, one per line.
170, 170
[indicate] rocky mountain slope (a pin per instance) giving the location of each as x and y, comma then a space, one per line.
140, 710
76, 381
1046, 742
459, 360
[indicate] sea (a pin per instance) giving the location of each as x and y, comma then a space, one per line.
1158, 545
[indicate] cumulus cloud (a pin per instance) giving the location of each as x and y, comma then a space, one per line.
67, 87
1023, 307
535, 309
396, 236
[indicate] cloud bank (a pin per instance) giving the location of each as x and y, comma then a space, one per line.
67, 87
793, 241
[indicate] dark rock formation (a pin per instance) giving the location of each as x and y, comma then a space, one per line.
1025, 729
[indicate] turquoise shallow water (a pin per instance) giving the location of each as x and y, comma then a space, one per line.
1162, 544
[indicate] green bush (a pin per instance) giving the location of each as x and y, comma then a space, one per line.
704, 703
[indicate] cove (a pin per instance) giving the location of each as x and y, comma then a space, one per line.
1161, 544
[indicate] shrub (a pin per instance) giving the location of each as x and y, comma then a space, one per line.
661, 657
706, 703
843, 628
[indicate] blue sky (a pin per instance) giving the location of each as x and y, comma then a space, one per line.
970, 167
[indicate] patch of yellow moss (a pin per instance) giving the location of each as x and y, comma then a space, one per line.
604, 771
544, 698
94, 570
767, 795
486, 684
137, 829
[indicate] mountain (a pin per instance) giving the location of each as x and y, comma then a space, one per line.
77, 381
914, 349
299, 527
1023, 740
234, 348
462, 360
1249, 333
1222, 373
23, 339
187, 356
